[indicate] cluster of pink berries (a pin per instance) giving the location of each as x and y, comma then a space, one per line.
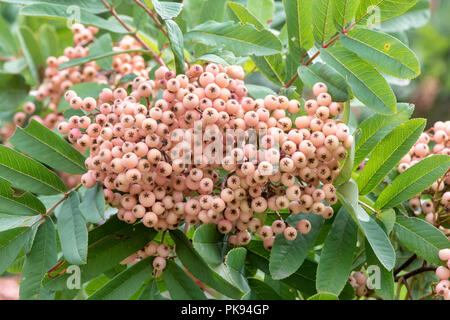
443, 273
56, 81
358, 281
144, 154
161, 252
438, 202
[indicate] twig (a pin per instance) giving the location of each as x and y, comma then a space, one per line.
329, 43
325, 45
66, 195
408, 288
279, 216
310, 60
405, 264
415, 272
153, 16
134, 33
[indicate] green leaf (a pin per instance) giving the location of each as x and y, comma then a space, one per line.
336, 258
388, 153
151, 292
95, 57
413, 181
31, 51
127, 78
95, 284
415, 17
235, 262
180, 285
92, 5
23, 205
367, 12
100, 46
83, 90
271, 67
242, 40
72, 230
377, 238
204, 10
9, 46
299, 25
11, 242
302, 279
109, 244
46, 146
344, 11
262, 9
288, 255
324, 296
388, 218
322, 16
14, 66
212, 58
26, 174
92, 206
421, 238
376, 127
60, 12
13, 91
126, 283
383, 51
42, 257
9, 221
199, 269
176, 42
209, 243
166, 9
262, 290
320, 72
367, 84
244, 16
385, 287
49, 40
284, 290
259, 92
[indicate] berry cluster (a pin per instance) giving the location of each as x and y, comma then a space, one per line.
144, 152
443, 273
161, 252
435, 201
358, 281
56, 81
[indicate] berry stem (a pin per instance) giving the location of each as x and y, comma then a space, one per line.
134, 33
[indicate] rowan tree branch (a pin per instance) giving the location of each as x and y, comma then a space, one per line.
133, 33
